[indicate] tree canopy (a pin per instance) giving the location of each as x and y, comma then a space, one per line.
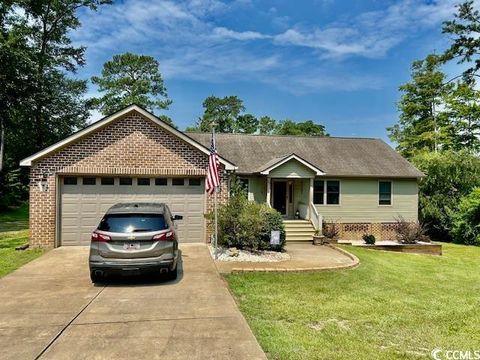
223, 112
130, 79
228, 115
290, 127
39, 101
422, 126
464, 30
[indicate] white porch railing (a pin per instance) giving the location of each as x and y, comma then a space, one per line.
316, 218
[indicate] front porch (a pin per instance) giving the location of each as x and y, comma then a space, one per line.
287, 185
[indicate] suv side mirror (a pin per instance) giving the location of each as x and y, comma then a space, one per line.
177, 217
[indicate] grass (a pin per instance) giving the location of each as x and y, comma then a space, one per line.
14, 219
393, 306
14, 232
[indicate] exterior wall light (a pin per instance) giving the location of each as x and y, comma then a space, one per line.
43, 183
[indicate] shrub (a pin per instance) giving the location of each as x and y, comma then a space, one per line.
248, 225
331, 230
449, 177
369, 239
410, 232
466, 222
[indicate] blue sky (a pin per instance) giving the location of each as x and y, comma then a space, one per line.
338, 63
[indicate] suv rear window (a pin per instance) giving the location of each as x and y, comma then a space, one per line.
129, 223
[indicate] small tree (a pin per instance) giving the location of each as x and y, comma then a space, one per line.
221, 111
131, 79
246, 124
466, 222
266, 125
422, 126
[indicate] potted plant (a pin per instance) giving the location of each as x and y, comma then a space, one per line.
331, 231
318, 237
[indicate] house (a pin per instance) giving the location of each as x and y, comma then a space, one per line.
131, 155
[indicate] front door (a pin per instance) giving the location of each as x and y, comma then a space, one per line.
280, 196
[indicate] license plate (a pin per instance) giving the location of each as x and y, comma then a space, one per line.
131, 246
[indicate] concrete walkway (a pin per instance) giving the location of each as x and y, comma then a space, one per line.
50, 310
303, 257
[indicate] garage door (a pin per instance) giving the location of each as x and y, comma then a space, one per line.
84, 200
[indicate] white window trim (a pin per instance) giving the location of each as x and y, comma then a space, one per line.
325, 192
391, 193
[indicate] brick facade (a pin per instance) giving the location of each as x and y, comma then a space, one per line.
131, 145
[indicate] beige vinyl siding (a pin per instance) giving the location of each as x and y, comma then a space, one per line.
292, 169
257, 189
302, 190
359, 202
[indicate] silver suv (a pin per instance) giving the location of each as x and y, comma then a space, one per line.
135, 238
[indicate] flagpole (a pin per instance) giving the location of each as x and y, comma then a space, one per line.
215, 205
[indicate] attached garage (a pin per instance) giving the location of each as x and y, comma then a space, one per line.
129, 156
85, 199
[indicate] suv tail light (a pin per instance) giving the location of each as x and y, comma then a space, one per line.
100, 237
166, 236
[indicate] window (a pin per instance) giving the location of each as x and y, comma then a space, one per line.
70, 180
161, 181
318, 191
130, 223
194, 182
125, 181
143, 181
89, 181
384, 193
107, 181
326, 192
178, 181
333, 192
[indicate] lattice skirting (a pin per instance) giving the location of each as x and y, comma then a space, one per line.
355, 231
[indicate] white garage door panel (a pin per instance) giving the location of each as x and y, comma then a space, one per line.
82, 207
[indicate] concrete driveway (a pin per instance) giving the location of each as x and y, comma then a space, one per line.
50, 310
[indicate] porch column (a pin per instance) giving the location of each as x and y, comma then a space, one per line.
269, 189
310, 198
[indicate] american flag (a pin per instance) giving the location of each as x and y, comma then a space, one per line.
213, 180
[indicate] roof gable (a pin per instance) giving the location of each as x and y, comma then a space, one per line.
110, 119
277, 162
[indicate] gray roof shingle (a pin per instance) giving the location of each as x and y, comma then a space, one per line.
336, 156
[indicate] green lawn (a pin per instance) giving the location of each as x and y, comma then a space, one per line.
393, 306
15, 219
14, 232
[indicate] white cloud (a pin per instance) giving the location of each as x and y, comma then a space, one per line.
370, 34
224, 33
191, 42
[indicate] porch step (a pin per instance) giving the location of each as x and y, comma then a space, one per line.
299, 230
